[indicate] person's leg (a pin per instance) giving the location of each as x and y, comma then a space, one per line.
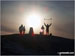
20, 33
47, 32
43, 32
23, 32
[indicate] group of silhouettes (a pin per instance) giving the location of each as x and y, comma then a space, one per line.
22, 30
47, 29
31, 32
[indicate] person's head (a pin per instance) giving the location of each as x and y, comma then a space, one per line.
42, 25
21, 24
24, 26
31, 28
47, 24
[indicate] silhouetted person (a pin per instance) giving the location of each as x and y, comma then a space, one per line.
47, 28
21, 29
31, 32
42, 30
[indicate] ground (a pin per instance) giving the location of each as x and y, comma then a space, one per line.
35, 45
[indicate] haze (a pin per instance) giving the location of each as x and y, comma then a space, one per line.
15, 13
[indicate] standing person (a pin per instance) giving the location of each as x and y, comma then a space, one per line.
31, 32
20, 29
42, 30
23, 30
47, 28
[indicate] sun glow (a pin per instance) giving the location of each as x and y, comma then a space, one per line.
33, 20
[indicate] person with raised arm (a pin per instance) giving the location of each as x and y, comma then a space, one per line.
47, 27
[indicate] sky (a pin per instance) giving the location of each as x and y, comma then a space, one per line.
15, 13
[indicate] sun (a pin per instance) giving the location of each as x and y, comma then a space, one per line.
33, 20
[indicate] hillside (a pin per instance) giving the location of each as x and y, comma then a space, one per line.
31, 45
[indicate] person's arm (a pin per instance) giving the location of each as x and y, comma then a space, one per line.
44, 24
25, 29
50, 24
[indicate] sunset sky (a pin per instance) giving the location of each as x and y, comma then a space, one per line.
15, 13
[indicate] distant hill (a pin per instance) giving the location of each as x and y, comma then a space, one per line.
38, 45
